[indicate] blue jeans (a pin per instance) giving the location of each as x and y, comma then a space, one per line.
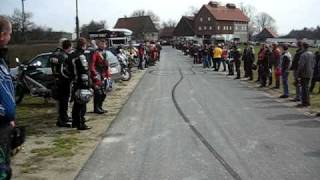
285, 85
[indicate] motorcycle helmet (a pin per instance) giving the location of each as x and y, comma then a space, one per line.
83, 96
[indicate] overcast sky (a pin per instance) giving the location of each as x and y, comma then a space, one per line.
60, 14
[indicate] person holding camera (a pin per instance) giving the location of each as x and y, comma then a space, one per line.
7, 101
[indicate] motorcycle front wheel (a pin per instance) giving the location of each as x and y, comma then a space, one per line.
126, 75
19, 94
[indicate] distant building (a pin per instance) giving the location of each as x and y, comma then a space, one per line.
166, 33
228, 22
142, 27
264, 35
184, 27
215, 22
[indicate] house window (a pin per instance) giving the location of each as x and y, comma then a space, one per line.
210, 27
201, 19
224, 27
230, 27
200, 28
218, 28
236, 28
209, 18
205, 27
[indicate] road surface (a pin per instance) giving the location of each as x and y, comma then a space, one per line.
184, 123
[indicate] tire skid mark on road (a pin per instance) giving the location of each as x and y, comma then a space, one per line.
222, 161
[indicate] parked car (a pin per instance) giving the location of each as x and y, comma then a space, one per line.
46, 67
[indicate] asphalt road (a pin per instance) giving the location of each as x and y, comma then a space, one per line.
184, 123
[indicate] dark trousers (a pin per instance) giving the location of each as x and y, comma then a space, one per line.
265, 73
238, 65
216, 62
305, 96
5, 151
98, 99
231, 68
140, 66
78, 112
245, 68
248, 69
63, 100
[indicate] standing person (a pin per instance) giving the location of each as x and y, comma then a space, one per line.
248, 60
285, 63
7, 101
305, 72
237, 60
99, 72
264, 64
259, 63
230, 62
245, 60
316, 72
159, 49
217, 54
224, 58
276, 54
81, 85
59, 66
205, 56
141, 56
294, 68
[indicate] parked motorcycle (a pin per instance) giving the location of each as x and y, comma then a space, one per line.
31, 80
125, 71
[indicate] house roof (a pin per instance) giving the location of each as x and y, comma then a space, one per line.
141, 24
267, 33
223, 13
184, 27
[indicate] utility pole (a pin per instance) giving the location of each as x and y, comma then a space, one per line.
77, 21
23, 21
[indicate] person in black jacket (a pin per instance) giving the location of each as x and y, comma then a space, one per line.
316, 72
294, 68
7, 101
81, 85
237, 60
59, 65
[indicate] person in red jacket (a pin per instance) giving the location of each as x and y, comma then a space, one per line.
99, 72
276, 54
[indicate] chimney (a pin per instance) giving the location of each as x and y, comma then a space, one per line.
213, 4
231, 6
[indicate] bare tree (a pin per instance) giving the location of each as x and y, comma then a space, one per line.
250, 12
169, 24
264, 20
192, 11
91, 27
17, 19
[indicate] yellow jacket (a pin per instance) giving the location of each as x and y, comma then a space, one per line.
217, 52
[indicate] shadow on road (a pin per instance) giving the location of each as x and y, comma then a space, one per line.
313, 154
306, 124
289, 117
